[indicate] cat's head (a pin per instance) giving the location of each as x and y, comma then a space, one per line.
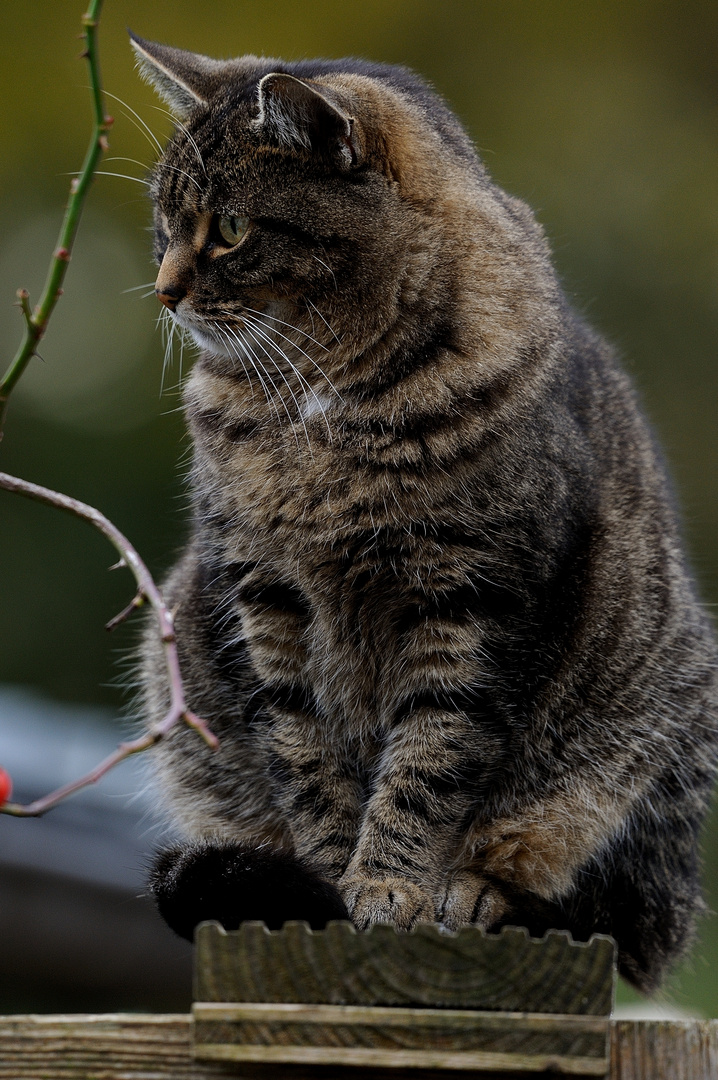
312, 192
340, 198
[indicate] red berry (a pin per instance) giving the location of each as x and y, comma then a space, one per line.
5, 786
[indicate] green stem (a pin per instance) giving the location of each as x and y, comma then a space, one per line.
37, 320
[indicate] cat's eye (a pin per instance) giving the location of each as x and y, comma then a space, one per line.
231, 228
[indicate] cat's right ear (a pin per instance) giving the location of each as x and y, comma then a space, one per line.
183, 79
302, 114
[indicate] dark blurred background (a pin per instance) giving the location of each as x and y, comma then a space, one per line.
602, 115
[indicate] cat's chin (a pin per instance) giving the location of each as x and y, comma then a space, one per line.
202, 339
207, 343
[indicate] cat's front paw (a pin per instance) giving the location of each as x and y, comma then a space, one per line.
472, 900
391, 900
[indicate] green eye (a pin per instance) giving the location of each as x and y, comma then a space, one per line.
232, 228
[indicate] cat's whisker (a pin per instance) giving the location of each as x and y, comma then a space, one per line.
291, 326
233, 351
253, 329
182, 172
328, 326
277, 393
269, 356
133, 161
183, 342
169, 327
136, 288
257, 360
164, 165
250, 312
122, 176
326, 267
182, 128
138, 122
256, 363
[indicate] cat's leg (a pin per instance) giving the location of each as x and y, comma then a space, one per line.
440, 750
536, 852
211, 795
319, 795
412, 825
231, 883
316, 792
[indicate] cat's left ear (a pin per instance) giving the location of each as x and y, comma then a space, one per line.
183, 79
297, 114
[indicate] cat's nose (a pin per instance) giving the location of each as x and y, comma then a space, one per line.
169, 295
175, 275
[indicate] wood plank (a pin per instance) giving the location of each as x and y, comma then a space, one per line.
470, 969
157, 1047
395, 1037
524, 1065
106, 1047
664, 1050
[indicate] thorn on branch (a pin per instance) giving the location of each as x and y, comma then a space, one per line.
119, 565
23, 299
196, 722
126, 612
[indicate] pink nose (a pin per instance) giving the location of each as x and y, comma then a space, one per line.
170, 295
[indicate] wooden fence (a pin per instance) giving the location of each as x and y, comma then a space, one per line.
379, 1005
158, 1047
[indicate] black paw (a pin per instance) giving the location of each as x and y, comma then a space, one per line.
231, 884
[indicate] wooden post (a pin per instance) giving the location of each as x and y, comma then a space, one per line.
381, 1001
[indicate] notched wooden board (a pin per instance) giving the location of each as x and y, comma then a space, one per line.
427, 967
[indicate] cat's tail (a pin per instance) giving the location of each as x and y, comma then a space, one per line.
233, 883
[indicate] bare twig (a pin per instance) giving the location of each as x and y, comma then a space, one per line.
36, 321
147, 591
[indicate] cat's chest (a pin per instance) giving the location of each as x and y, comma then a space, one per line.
324, 492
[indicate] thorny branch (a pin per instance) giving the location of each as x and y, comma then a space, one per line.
36, 321
147, 592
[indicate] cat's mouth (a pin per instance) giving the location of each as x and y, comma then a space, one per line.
198, 330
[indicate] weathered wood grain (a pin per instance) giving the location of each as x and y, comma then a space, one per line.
108, 1047
510, 972
664, 1050
157, 1047
393, 1037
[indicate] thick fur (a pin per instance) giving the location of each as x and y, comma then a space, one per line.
434, 603
232, 884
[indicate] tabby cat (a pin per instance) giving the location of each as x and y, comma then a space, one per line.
434, 603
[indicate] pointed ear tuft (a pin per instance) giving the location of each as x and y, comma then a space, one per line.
183, 79
299, 115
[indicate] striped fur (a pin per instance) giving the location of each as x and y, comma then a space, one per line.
434, 602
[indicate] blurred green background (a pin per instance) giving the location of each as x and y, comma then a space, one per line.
602, 115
